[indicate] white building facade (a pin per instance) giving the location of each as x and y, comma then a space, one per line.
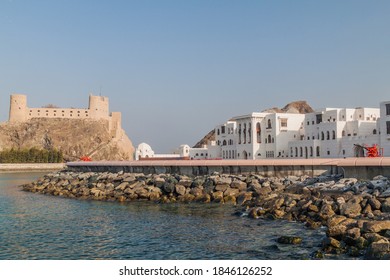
325, 133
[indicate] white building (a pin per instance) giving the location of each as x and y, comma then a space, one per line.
330, 132
258, 135
325, 133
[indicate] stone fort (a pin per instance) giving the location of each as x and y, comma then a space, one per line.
98, 109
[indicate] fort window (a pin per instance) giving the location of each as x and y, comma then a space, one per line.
269, 138
224, 143
328, 152
222, 129
296, 151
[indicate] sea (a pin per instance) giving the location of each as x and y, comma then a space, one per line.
36, 226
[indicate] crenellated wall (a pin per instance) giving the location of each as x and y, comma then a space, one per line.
98, 109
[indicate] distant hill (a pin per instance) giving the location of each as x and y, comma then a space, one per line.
74, 137
295, 107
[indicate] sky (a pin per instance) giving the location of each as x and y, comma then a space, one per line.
176, 69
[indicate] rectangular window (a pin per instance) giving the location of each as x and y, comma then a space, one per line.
319, 118
388, 127
283, 122
223, 129
388, 109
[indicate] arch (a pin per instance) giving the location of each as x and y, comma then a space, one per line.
300, 151
230, 154
258, 132
306, 153
244, 155
374, 131
311, 151
269, 138
318, 151
333, 134
269, 123
327, 135
322, 135
224, 143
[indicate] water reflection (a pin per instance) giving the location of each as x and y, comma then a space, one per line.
35, 226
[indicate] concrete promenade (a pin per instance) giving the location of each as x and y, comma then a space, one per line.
350, 167
8, 167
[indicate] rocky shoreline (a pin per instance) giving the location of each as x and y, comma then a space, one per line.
355, 212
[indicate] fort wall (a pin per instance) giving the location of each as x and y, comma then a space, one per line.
98, 109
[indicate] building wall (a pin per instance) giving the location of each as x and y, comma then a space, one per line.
384, 127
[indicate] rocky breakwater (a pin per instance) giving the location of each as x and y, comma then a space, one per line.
356, 213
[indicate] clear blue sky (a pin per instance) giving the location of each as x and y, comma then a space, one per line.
175, 69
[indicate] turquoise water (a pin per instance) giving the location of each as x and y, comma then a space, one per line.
35, 226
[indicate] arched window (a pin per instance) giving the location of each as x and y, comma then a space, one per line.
327, 135
218, 131
301, 152
311, 151
318, 151
333, 134
269, 138
269, 124
296, 151
249, 133
239, 134
374, 131
224, 143
258, 132
244, 130
322, 136
230, 154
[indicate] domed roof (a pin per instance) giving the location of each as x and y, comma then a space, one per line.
144, 146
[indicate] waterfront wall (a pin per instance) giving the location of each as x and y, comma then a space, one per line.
362, 168
31, 166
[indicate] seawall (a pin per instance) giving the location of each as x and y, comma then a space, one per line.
7, 167
363, 168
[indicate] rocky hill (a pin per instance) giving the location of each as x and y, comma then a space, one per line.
295, 107
75, 138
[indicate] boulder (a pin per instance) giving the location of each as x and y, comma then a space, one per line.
289, 240
376, 226
374, 203
386, 205
180, 189
244, 197
351, 209
221, 187
377, 250
231, 192
240, 185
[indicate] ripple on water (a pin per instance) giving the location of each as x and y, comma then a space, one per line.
36, 226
